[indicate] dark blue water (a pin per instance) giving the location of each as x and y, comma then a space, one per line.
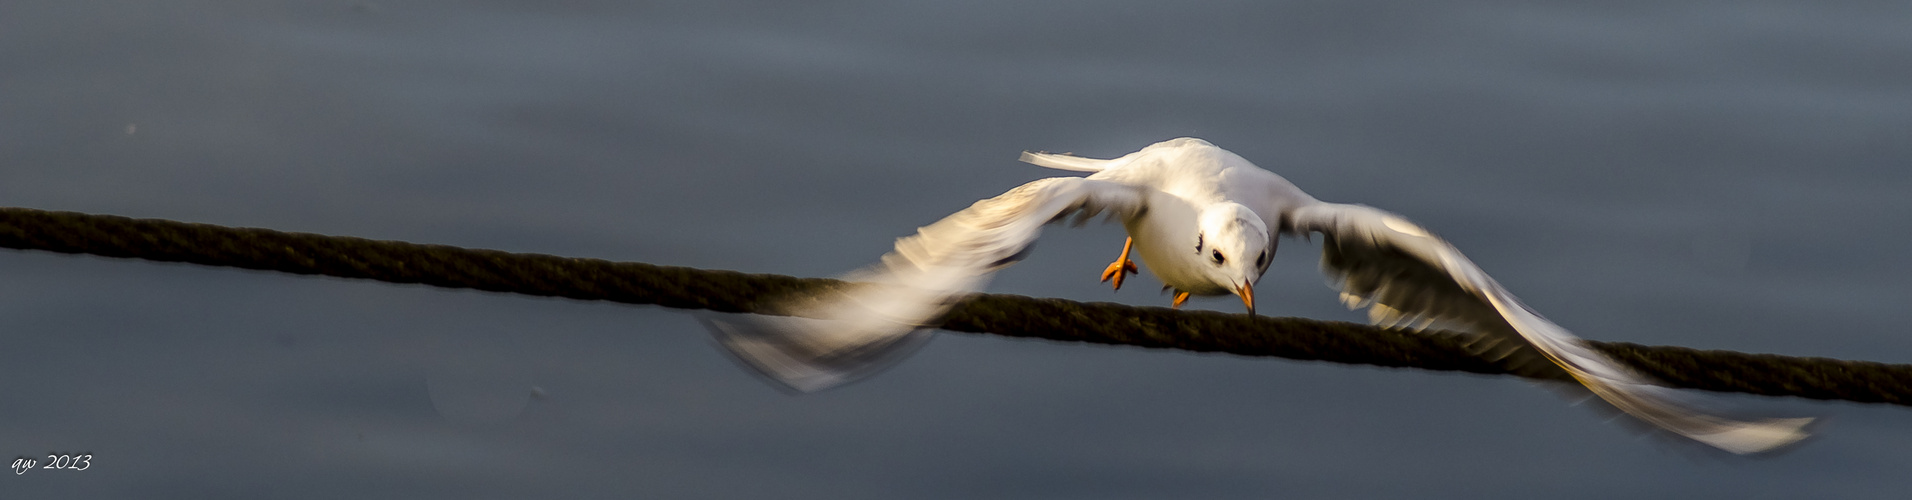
1722, 175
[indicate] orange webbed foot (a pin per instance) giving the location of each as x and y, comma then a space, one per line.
1117, 270
1180, 297
1122, 266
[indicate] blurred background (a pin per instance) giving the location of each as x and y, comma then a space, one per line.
1717, 175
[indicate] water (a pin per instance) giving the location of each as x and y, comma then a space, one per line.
1717, 175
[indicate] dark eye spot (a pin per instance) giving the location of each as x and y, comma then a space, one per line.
1198, 243
1218, 256
1261, 260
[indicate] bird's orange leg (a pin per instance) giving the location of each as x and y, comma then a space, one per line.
1122, 266
1179, 299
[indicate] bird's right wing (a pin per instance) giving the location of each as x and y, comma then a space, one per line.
843, 335
1406, 276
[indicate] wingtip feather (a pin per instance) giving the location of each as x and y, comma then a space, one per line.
776, 349
1762, 436
1064, 162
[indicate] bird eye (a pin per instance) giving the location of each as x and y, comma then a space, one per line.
1261, 260
1218, 256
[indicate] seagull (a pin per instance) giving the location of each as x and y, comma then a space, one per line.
1205, 222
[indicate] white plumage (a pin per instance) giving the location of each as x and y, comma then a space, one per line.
1205, 222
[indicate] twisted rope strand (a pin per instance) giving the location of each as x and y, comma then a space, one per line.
1008, 315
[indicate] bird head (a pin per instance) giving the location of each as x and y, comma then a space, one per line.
1234, 247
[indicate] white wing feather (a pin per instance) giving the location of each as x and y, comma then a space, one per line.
1408, 277
847, 334
1070, 162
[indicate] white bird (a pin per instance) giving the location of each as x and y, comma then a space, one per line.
1205, 221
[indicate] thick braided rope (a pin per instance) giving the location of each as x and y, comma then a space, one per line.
1009, 315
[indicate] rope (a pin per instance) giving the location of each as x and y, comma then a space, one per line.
1008, 315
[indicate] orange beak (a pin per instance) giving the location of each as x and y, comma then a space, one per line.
1247, 293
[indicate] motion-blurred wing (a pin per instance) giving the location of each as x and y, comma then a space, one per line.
846, 334
1407, 277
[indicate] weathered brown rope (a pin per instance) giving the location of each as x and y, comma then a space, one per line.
1010, 315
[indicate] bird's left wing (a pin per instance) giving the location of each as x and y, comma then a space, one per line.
842, 335
1406, 276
